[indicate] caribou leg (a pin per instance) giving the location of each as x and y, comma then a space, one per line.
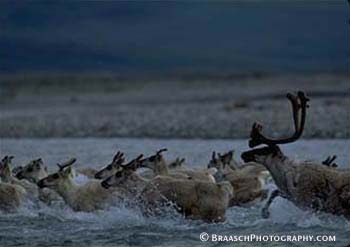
265, 210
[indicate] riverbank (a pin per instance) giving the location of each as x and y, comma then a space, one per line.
226, 107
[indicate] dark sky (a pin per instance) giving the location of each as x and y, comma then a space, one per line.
160, 37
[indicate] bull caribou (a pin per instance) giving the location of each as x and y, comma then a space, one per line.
307, 184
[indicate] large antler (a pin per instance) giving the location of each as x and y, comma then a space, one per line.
298, 102
66, 164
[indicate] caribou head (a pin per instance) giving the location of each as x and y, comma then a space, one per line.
111, 168
64, 176
123, 175
299, 105
33, 171
153, 161
271, 155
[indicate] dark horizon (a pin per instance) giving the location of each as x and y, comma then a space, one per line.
169, 38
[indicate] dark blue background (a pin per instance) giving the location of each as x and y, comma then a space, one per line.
160, 37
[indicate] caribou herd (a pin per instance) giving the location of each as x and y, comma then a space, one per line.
154, 185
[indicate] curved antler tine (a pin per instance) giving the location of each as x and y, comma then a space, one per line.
66, 164
303, 99
139, 157
303, 103
257, 137
295, 107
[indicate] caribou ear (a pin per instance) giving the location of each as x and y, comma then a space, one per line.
10, 158
230, 154
182, 161
213, 156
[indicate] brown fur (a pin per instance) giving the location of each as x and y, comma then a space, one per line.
31, 190
196, 199
158, 165
33, 171
88, 197
88, 172
310, 185
247, 180
320, 187
11, 197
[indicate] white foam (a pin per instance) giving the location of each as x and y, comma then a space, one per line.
81, 179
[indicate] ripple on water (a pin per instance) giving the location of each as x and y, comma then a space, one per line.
58, 225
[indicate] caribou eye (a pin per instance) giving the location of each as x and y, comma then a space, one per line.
30, 169
118, 174
151, 159
109, 167
55, 176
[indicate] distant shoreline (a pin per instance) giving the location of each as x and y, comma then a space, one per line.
102, 106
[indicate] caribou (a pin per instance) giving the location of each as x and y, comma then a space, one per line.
308, 185
195, 199
111, 168
88, 197
158, 165
31, 190
247, 180
11, 197
33, 171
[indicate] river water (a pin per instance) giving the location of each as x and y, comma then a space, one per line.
120, 226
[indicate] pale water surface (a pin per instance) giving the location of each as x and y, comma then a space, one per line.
120, 226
